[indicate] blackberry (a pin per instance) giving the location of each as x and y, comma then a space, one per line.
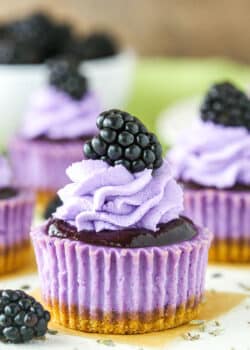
52, 206
124, 140
73, 48
64, 76
13, 53
226, 105
22, 318
95, 45
62, 37
34, 31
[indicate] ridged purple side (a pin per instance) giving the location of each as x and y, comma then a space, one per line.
104, 279
15, 219
225, 213
42, 164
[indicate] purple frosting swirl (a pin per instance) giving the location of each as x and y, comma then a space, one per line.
213, 155
56, 115
103, 197
5, 173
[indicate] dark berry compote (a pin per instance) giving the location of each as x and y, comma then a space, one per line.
8, 192
175, 231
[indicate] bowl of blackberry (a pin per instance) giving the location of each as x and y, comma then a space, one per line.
27, 44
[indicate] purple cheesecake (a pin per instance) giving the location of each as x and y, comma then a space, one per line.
60, 118
117, 256
16, 209
212, 161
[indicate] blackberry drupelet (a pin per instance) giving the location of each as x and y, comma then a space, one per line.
124, 140
226, 105
52, 206
22, 318
64, 76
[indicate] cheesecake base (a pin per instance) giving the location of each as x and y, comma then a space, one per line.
43, 198
230, 251
14, 257
126, 323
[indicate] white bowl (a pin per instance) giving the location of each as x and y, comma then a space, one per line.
177, 118
111, 78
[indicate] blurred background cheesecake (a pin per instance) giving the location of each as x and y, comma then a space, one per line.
29, 42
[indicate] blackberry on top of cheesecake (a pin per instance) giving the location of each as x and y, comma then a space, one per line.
212, 160
133, 264
59, 119
16, 209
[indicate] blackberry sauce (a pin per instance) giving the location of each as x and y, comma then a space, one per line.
8, 192
176, 231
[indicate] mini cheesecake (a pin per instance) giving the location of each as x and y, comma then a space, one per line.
212, 161
16, 210
60, 118
117, 256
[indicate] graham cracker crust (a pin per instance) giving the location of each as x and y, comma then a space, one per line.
229, 250
126, 323
14, 257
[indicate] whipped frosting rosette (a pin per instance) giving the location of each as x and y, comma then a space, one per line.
58, 121
102, 197
212, 160
213, 156
16, 209
117, 256
55, 115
